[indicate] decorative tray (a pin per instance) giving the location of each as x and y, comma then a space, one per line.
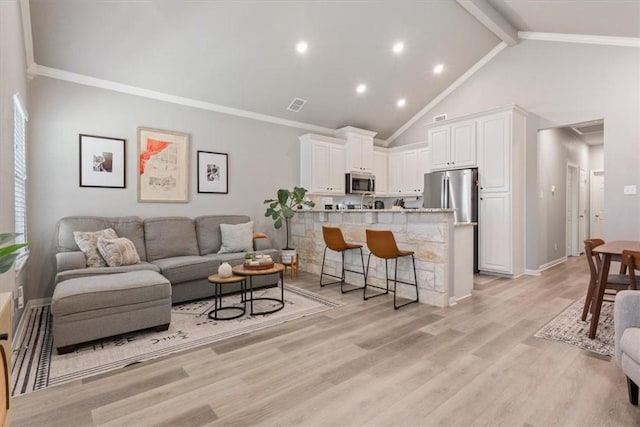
258, 267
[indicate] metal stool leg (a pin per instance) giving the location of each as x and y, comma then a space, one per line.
386, 291
415, 277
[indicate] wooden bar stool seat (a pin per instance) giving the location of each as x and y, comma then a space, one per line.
382, 244
334, 240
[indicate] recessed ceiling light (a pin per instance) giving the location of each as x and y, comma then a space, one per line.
438, 68
398, 47
401, 102
301, 46
361, 88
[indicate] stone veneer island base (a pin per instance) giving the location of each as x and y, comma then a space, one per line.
443, 250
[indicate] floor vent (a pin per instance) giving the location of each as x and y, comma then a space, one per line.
297, 104
439, 118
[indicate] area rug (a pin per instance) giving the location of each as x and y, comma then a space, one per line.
568, 328
37, 365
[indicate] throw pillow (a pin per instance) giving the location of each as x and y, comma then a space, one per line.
236, 237
117, 252
87, 241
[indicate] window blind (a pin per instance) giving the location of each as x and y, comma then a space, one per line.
20, 169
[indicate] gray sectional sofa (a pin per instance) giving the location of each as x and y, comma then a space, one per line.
177, 255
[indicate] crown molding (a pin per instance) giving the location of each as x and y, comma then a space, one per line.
581, 38
464, 77
54, 73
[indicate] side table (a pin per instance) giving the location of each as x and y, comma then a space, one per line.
277, 268
293, 266
218, 282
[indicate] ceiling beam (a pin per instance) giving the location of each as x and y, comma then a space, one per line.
492, 19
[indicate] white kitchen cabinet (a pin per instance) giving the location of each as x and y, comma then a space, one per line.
494, 233
381, 172
322, 164
494, 138
453, 146
407, 167
395, 174
423, 166
359, 149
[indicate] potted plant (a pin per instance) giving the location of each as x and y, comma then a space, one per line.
282, 209
8, 253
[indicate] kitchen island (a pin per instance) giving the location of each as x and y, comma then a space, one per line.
443, 250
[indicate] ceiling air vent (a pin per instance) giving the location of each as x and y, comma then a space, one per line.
439, 118
297, 104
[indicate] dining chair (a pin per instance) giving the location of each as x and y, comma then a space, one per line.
382, 244
334, 240
616, 282
632, 260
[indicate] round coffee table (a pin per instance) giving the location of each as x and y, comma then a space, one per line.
218, 282
277, 268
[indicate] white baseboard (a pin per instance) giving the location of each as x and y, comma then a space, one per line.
553, 263
533, 272
21, 324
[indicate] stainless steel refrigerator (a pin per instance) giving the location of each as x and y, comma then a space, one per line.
457, 190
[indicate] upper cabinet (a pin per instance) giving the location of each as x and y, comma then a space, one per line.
381, 171
359, 149
322, 164
407, 166
453, 146
494, 136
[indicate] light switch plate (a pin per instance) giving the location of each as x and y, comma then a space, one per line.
630, 190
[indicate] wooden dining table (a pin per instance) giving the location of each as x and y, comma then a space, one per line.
608, 250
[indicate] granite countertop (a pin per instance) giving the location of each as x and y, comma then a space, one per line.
402, 211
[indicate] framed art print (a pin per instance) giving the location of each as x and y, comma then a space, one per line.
102, 162
163, 166
213, 172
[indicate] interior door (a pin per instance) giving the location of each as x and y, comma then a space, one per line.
582, 210
596, 225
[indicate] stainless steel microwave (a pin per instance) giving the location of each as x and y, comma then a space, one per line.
358, 183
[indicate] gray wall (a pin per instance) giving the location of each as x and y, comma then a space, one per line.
262, 158
596, 157
561, 84
13, 79
556, 149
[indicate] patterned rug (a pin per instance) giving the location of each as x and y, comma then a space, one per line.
36, 364
568, 328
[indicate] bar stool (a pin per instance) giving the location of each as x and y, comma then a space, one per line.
334, 240
382, 244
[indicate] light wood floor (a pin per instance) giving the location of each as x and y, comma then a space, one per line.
476, 363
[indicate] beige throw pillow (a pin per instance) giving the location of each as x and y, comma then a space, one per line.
87, 241
236, 237
117, 252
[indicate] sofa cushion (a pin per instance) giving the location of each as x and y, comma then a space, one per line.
236, 237
117, 252
125, 226
87, 241
112, 290
186, 268
97, 271
168, 237
208, 230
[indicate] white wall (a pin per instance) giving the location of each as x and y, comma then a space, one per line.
13, 79
262, 158
561, 84
596, 157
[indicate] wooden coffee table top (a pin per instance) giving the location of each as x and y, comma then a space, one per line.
215, 278
241, 271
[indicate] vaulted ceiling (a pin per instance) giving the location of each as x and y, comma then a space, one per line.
241, 55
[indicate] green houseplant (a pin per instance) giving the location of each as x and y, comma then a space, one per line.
282, 209
8, 254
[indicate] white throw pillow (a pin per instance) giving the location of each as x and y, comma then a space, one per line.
236, 237
87, 241
117, 252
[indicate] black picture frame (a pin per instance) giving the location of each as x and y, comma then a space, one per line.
213, 172
102, 161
